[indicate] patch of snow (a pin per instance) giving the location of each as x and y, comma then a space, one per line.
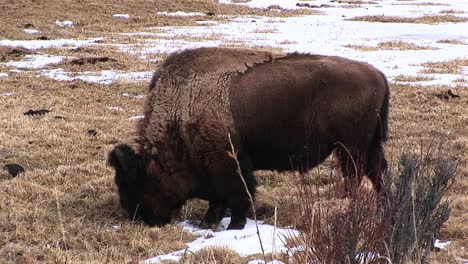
2, 74
245, 242
180, 13
31, 31
64, 23
35, 61
116, 108
137, 96
104, 77
136, 117
206, 22
125, 16
441, 244
44, 44
6, 94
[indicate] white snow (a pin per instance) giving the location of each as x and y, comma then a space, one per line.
64, 23
441, 244
2, 74
136, 117
31, 31
35, 61
103, 77
137, 96
115, 108
180, 13
125, 16
6, 94
44, 44
245, 242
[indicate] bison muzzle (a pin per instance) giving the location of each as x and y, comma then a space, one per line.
282, 112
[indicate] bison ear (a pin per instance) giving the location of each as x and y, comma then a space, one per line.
124, 159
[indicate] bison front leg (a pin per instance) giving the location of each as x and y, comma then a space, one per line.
244, 185
214, 214
229, 182
239, 205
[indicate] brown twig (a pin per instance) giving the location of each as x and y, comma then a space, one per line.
233, 154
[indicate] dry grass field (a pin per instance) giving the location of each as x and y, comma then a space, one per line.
64, 207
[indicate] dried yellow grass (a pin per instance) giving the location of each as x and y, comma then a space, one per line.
422, 4
407, 78
451, 66
452, 11
428, 19
391, 45
93, 18
451, 41
287, 42
355, 2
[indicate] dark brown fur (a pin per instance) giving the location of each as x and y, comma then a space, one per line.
283, 112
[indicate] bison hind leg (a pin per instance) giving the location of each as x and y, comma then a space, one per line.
352, 161
375, 165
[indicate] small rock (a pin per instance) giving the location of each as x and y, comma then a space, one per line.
13, 169
91, 60
59, 117
36, 112
28, 25
92, 132
210, 14
451, 94
42, 38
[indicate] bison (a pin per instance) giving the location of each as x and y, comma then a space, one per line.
282, 112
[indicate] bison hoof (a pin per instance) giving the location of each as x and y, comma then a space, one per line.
206, 225
236, 224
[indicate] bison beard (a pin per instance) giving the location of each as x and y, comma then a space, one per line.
283, 112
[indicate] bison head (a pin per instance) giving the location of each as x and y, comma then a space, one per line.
139, 185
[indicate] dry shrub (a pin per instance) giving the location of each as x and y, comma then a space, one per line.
398, 225
337, 230
418, 203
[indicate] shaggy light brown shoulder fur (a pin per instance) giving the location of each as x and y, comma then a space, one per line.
191, 85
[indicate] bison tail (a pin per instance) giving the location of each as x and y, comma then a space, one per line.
376, 162
381, 131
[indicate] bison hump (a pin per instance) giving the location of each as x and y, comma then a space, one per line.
206, 60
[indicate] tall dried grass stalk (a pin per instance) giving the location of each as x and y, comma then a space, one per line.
233, 154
